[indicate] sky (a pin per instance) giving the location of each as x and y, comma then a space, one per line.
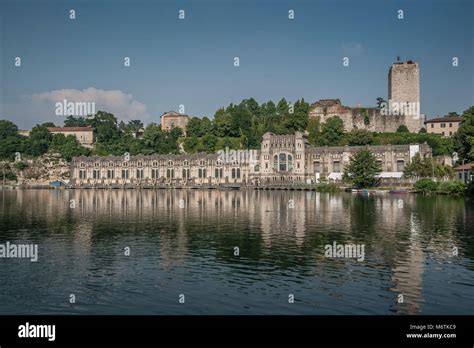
190, 61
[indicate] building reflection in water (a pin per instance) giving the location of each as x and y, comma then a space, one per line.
184, 223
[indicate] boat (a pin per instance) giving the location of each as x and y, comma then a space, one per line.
398, 191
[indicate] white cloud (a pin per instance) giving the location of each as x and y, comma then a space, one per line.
353, 48
122, 105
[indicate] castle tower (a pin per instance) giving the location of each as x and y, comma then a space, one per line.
404, 93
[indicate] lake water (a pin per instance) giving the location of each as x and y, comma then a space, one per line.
183, 242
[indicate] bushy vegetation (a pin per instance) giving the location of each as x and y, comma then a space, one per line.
427, 186
427, 168
327, 187
455, 187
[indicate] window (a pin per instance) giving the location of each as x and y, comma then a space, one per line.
218, 173
185, 173
170, 163
256, 168
139, 173
317, 167
450, 133
432, 125
111, 164
186, 163
82, 165
235, 173
336, 166
125, 174
443, 125
450, 125
400, 165
202, 172
155, 164
82, 174
170, 173
283, 162
110, 174
96, 174
96, 164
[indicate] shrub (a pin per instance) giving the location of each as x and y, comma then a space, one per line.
327, 187
455, 187
426, 186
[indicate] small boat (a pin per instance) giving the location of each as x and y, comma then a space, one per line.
398, 191
57, 184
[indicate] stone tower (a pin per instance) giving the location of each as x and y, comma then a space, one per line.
404, 93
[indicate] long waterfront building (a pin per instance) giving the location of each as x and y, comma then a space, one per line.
281, 160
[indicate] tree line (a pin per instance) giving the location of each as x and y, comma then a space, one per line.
235, 126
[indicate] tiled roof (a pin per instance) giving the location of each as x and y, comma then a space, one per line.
70, 129
466, 166
445, 119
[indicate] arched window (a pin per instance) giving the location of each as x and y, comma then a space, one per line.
283, 162
155, 164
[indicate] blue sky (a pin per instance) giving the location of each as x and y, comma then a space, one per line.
190, 61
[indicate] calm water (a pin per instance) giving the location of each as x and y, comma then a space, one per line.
182, 242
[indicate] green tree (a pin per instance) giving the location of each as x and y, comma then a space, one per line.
191, 144
332, 131
358, 137
362, 169
193, 128
209, 141
68, 146
402, 129
297, 121
426, 167
10, 140
282, 107
464, 137
38, 141
72, 121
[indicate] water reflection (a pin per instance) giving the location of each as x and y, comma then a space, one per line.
186, 238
